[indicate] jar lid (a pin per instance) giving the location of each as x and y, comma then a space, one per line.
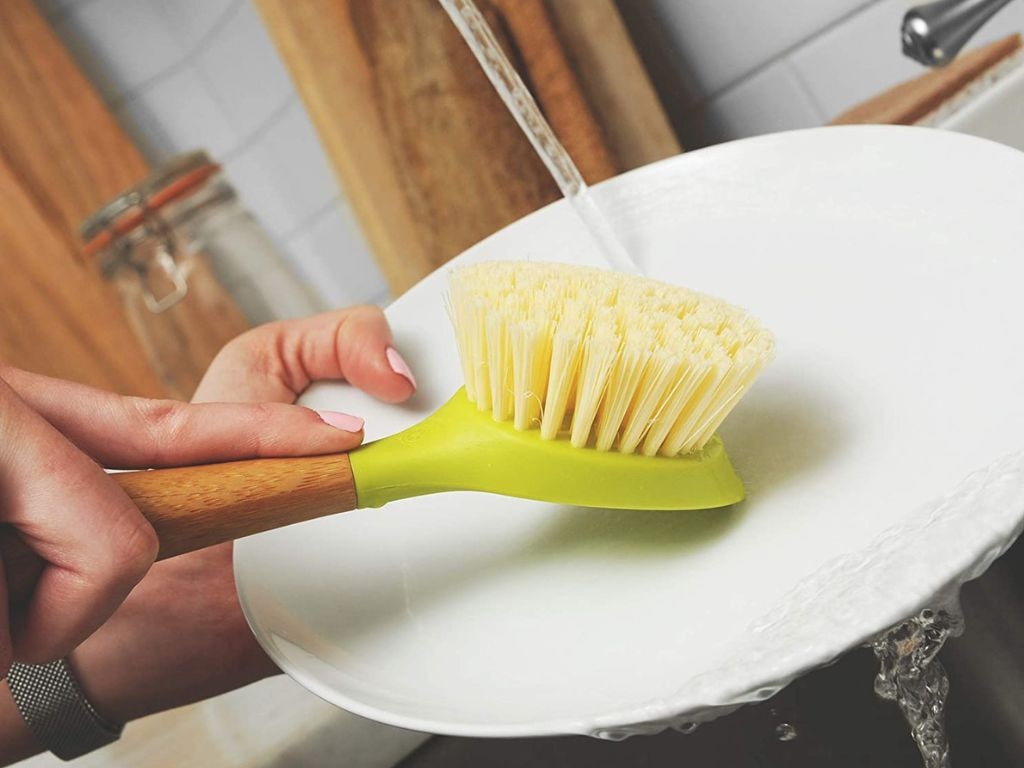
171, 181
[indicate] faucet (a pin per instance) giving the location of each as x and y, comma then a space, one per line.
933, 34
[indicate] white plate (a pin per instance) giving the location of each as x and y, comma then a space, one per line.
888, 262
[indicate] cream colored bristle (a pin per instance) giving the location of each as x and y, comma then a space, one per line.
608, 359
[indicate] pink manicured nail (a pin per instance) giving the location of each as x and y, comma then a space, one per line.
399, 366
343, 421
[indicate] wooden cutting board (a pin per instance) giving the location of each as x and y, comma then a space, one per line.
62, 155
428, 155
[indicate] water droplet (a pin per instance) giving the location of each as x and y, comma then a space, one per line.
785, 732
686, 727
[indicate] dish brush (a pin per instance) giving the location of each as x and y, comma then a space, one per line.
582, 386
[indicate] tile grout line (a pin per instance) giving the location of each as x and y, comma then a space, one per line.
260, 131
311, 219
215, 29
805, 89
777, 57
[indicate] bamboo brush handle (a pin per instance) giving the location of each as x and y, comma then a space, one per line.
195, 507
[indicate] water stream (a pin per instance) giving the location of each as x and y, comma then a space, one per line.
524, 109
912, 676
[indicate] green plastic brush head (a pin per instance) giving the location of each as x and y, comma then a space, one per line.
458, 448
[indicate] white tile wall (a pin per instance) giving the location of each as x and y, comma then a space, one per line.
760, 66
244, 73
773, 99
345, 269
192, 19
250, 174
121, 44
856, 60
723, 40
185, 113
291, 153
204, 74
869, 46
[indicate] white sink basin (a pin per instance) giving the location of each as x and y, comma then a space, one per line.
995, 110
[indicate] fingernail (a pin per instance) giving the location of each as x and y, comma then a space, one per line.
399, 366
343, 421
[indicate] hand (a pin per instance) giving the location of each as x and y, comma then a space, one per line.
72, 543
181, 636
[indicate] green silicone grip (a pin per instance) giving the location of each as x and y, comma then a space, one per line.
459, 448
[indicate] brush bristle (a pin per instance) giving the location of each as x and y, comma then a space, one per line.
617, 361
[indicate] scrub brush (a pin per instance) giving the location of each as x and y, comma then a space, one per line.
582, 386
618, 361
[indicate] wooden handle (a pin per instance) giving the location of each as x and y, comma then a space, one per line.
196, 507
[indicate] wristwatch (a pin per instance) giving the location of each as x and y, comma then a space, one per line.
57, 711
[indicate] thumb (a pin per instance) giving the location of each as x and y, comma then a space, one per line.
277, 361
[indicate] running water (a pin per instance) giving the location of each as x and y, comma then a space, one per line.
524, 109
912, 676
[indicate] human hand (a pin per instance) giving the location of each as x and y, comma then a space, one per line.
181, 635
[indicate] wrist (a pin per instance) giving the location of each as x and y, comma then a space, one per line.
125, 683
17, 741
106, 684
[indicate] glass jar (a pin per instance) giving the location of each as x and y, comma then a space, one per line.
192, 266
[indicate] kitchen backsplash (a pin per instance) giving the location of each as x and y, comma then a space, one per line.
736, 68
182, 74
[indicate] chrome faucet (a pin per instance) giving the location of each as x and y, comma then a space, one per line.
933, 34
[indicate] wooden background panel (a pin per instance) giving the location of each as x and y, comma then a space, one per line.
535, 48
428, 157
56, 317
426, 152
613, 79
56, 135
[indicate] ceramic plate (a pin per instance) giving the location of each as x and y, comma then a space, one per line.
880, 454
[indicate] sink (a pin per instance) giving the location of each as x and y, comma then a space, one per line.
992, 108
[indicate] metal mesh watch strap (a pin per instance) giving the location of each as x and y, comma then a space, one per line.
59, 714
